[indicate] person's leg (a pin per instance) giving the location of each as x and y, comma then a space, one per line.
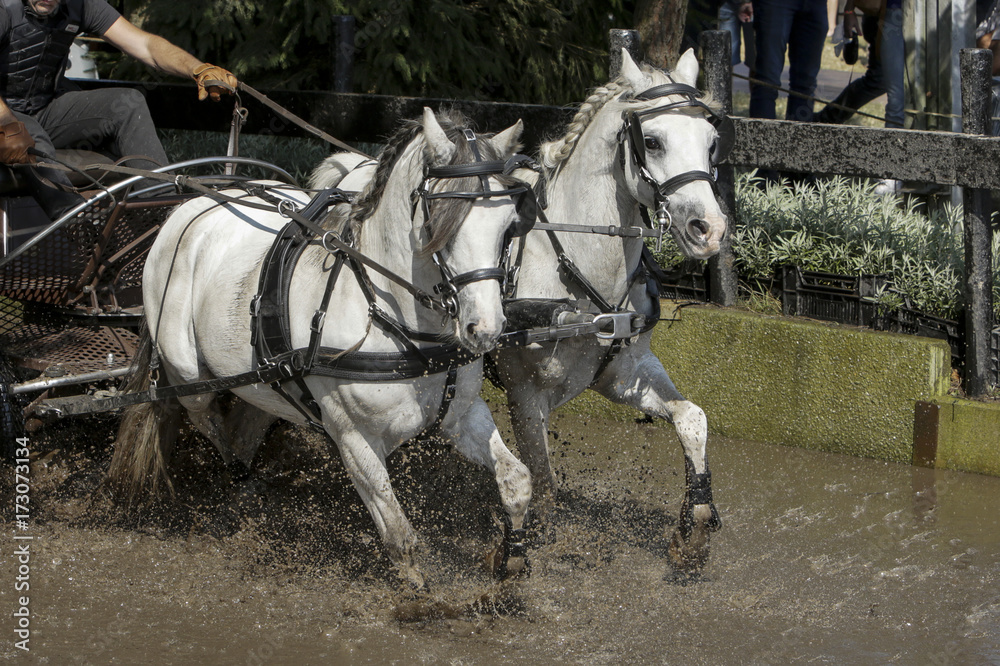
863, 89
772, 22
114, 120
805, 54
995, 108
730, 22
892, 59
54, 201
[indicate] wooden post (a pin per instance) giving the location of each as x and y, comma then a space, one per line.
927, 31
978, 288
717, 69
619, 38
343, 43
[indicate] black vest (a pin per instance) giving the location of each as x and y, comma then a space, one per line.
34, 57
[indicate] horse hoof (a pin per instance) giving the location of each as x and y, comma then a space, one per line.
413, 580
689, 556
502, 566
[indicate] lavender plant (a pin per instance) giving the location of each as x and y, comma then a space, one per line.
838, 225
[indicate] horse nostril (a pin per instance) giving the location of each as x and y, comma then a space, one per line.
471, 330
699, 228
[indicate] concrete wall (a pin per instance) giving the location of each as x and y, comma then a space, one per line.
822, 386
803, 383
968, 436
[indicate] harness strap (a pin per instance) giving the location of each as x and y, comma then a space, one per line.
606, 230
574, 273
450, 388
233, 149
479, 274
288, 115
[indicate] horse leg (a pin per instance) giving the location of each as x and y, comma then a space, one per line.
478, 439
205, 415
248, 425
637, 378
529, 417
202, 409
371, 479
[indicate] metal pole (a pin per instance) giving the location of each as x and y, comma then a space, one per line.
343, 60
978, 288
717, 68
618, 39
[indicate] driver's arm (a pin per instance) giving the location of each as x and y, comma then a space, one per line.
160, 54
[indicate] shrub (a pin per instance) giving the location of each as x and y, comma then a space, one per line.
838, 225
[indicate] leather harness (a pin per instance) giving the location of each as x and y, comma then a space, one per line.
271, 337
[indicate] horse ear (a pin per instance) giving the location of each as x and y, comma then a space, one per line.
508, 141
632, 74
439, 149
686, 70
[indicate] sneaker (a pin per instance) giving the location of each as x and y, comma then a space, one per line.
888, 187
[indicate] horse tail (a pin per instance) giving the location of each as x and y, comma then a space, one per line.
146, 435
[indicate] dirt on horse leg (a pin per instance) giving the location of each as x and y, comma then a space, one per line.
637, 378
530, 421
371, 480
479, 440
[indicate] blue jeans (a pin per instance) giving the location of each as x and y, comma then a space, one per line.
798, 26
884, 73
729, 21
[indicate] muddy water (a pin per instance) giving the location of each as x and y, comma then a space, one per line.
822, 559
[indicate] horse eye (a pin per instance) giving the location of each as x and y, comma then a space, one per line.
651, 143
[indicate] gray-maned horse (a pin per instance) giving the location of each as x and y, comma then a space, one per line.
592, 175
201, 277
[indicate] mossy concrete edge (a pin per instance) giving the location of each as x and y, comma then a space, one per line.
968, 437
794, 382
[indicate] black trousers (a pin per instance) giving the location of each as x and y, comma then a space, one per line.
112, 121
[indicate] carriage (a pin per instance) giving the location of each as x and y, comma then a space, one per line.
72, 304
70, 289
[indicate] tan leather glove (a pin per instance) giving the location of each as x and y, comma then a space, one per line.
14, 144
213, 81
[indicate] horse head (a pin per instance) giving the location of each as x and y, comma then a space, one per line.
470, 211
670, 144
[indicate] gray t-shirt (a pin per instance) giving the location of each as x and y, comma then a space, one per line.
98, 16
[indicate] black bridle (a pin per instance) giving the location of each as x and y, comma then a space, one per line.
631, 132
524, 204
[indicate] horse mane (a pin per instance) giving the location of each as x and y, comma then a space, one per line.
553, 153
446, 215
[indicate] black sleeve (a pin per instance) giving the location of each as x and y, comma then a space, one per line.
98, 16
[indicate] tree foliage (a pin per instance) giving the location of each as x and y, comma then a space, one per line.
542, 51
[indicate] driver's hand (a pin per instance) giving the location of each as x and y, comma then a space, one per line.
213, 81
14, 144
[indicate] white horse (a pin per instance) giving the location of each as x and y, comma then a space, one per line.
593, 173
631, 145
200, 282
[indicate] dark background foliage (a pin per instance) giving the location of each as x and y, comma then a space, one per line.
540, 51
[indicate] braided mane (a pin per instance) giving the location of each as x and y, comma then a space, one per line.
553, 153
